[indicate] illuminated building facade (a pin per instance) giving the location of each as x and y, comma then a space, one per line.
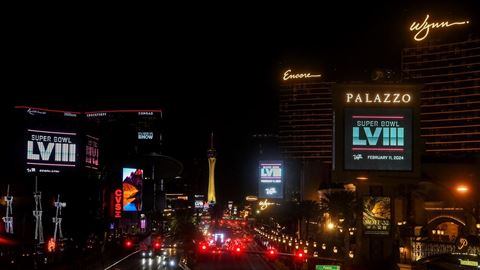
211, 173
305, 133
450, 99
305, 119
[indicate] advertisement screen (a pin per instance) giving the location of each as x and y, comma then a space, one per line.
378, 139
271, 180
91, 155
132, 189
50, 151
376, 215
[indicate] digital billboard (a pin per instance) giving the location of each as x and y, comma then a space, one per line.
50, 151
91, 153
270, 184
376, 215
378, 139
132, 189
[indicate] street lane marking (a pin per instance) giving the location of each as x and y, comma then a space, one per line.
119, 261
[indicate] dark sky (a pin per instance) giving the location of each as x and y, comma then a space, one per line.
207, 69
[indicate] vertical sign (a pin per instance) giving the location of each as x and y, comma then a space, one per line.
376, 215
271, 180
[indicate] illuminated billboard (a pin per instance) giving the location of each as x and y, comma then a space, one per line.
376, 215
145, 135
270, 184
91, 152
378, 139
132, 189
50, 151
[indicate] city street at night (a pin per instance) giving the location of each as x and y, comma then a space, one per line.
338, 135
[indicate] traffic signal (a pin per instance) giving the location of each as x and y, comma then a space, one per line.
156, 245
51, 245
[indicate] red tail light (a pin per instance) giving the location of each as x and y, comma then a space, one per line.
300, 256
128, 243
204, 247
156, 245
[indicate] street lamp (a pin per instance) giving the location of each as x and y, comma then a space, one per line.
462, 189
330, 226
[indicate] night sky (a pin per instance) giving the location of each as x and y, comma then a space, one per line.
208, 70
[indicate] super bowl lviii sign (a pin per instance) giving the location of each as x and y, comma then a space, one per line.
378, 139
50, 151
271, 180
376, 130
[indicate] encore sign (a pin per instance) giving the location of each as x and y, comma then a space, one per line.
288, 75
423, 28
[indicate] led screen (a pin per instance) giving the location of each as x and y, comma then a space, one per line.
91, 152
50, 151
271, 180
378, 139
376, 215
132, 189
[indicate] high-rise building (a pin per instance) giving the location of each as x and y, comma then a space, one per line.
305, 133
450, 99
305, 119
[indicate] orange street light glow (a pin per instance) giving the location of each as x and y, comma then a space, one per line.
462, 189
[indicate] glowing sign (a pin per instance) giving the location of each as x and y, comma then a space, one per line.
271, 183
424, 28
376, 215
378, 139
288, 75
145, 135
50, 149
377, 98
118, 203
132, 189
91, 155
264, 204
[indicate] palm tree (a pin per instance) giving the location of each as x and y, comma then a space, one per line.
343, 207
308, 209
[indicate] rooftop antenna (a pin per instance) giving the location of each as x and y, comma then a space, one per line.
211, 141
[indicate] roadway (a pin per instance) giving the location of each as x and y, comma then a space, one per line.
253, 258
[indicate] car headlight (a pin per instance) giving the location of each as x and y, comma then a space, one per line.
172, 262
150, 253
143, 254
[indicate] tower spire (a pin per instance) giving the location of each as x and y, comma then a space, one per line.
211, 141
211, 172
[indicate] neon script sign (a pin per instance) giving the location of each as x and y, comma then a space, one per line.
288, 75
423, 28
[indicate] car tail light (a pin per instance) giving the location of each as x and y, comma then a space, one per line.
156, 245
300, 256
128, 243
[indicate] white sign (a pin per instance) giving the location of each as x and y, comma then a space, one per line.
50, 148
145, 135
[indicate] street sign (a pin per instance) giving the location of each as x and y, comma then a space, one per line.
327, 267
